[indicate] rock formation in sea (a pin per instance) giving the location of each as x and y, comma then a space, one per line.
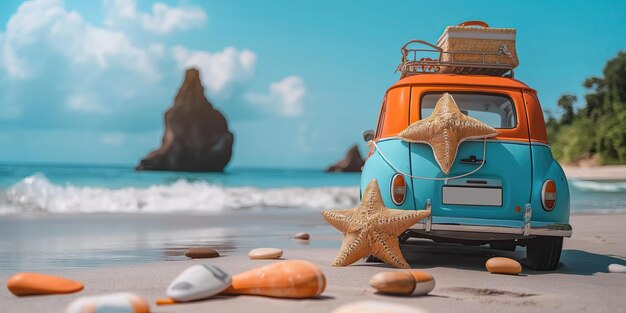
196, 137
352, 162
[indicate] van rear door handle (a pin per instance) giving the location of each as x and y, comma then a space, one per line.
472, 160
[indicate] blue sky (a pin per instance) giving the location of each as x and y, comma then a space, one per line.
88, 81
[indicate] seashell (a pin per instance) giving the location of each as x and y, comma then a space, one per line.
617, 268
369, 306
286, 279
265, 253
198, 282
111, 303
302, 236
26, 284
408, 283
500, 265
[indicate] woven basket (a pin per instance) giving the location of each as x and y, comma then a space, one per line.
475, 40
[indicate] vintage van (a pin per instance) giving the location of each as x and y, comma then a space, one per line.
519, 196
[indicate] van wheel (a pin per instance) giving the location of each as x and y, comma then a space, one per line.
544, 252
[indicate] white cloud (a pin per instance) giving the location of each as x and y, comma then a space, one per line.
221, 71
46, 25
55, 61
285, 97
163, 19
85, 103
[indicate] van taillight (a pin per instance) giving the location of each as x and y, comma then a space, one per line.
398, 189
548, 195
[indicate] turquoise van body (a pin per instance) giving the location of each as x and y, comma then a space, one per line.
518, 165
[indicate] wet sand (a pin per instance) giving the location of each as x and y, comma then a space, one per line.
581, 284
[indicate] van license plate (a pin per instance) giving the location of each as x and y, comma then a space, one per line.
472, 196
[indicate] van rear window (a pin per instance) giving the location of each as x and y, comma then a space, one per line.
494, 110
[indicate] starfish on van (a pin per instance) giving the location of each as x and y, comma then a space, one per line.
444, 131
372, 229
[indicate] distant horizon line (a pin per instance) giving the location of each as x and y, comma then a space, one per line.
129, 165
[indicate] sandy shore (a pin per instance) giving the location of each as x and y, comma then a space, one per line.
607, 172
581, 284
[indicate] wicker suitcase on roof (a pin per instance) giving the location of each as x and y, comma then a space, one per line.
482, 44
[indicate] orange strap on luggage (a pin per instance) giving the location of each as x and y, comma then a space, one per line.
474, 23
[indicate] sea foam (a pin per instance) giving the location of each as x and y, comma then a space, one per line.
37, 194
599, 186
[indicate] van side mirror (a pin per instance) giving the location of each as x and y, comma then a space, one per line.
368, 135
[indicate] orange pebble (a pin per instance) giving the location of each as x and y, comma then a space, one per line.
26, 284
287, 279
500, 265
165, 301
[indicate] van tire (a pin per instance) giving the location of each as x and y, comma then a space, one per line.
543, 253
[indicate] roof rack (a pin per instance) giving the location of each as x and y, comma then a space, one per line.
487, 63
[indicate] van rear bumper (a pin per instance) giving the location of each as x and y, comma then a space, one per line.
469, 228
470, 231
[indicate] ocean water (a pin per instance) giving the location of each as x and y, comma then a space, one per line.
79, 189
39, 189
65, 216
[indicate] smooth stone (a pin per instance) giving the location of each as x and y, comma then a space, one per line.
617, 268
201, 253
26, 284
500, 265
303, 236
407, 283
265, 253
369, 306
198, 282
112, 303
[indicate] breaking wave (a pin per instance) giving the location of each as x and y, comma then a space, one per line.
37, 194
599, 186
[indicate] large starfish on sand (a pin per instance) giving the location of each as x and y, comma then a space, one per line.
372, 229
444, 131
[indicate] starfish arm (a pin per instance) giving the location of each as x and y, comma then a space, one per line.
387, 249
445, 145
420, 131
371, 199
355, 246
340, 219
395, 222
473, 128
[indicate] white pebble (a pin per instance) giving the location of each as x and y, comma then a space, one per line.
265, 253
617, 268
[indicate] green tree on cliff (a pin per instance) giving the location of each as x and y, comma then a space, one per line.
599, 128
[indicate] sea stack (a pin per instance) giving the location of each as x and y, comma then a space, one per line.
352, 162
196, 137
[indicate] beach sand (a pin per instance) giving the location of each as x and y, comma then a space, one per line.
581, 284
606, 172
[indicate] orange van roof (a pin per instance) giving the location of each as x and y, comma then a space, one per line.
464, 80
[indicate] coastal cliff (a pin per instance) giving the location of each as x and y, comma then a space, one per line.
196, 137
352, 162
